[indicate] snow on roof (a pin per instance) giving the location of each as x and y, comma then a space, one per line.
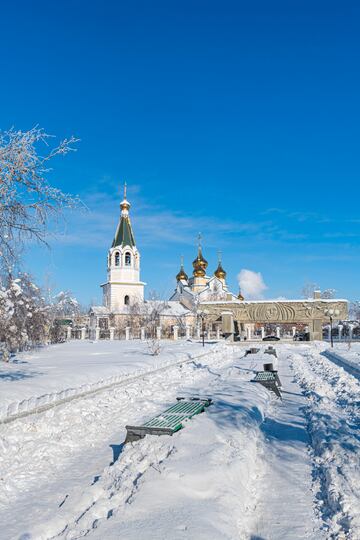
99, 310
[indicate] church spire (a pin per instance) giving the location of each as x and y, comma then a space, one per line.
124, 235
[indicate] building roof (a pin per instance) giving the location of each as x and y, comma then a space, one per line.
124, 235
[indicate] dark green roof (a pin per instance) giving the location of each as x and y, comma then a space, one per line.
124, 234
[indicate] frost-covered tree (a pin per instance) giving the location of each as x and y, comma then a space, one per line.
27, 200
309, 289
24, 315
65, 305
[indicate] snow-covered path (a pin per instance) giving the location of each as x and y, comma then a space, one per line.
285, 509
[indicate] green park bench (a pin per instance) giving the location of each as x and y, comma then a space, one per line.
170, 421
269, 379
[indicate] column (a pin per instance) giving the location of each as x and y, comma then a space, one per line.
248, 332
278, 331
176, 332
293, 331
198, 331
97, 333
142, 334
158, 332
340, 329
83, 332
262, 332
68, 332
218, 333
351, 329
187, 329
112, 333
127, 333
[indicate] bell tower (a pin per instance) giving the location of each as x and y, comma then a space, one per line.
123, 286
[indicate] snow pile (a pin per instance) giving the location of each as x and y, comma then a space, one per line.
57, 373
333, 421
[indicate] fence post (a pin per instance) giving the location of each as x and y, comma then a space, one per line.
278, 331
83, 332
158, 332
187, 329
112, 333
176, 332
340, 329
262, 332
68, 332
142, 334
97, 333
127, 333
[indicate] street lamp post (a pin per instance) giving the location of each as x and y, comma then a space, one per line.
202, 315
330, 313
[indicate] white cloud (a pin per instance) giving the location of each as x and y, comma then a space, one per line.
251, 284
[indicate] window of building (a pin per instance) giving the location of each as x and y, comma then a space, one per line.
127, 300
127, 259
117, 258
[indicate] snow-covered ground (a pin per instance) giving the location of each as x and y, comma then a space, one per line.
251, 467
47, 375
348, 356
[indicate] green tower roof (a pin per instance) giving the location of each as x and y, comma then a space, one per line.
124, 235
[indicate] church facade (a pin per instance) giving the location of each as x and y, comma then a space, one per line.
199, 300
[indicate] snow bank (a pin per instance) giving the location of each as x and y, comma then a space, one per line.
38, 380
333, 420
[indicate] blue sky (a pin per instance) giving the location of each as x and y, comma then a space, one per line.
236, 119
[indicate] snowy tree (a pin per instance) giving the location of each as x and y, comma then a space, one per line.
27, 200
24, 315
309, 289
65, 305
328, 293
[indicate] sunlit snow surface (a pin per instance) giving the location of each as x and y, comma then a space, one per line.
250, 467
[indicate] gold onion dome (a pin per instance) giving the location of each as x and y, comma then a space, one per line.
220, 272
240, 296
200, 264
182, 275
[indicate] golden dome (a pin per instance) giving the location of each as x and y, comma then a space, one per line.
199, 271
200, 262
220, 272
182, 275
240, 296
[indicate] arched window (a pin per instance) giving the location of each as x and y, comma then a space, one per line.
127, 259
117, 258
127, 300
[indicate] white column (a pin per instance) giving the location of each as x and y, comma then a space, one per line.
176, 332
351, 329
83, 332
198, 331
142, 334
340, 329
127, 333
158, 332
248, 332
97, 333
112, 333
187, 328
278, 331
293, 331
68, 332
218, 332
262, 332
